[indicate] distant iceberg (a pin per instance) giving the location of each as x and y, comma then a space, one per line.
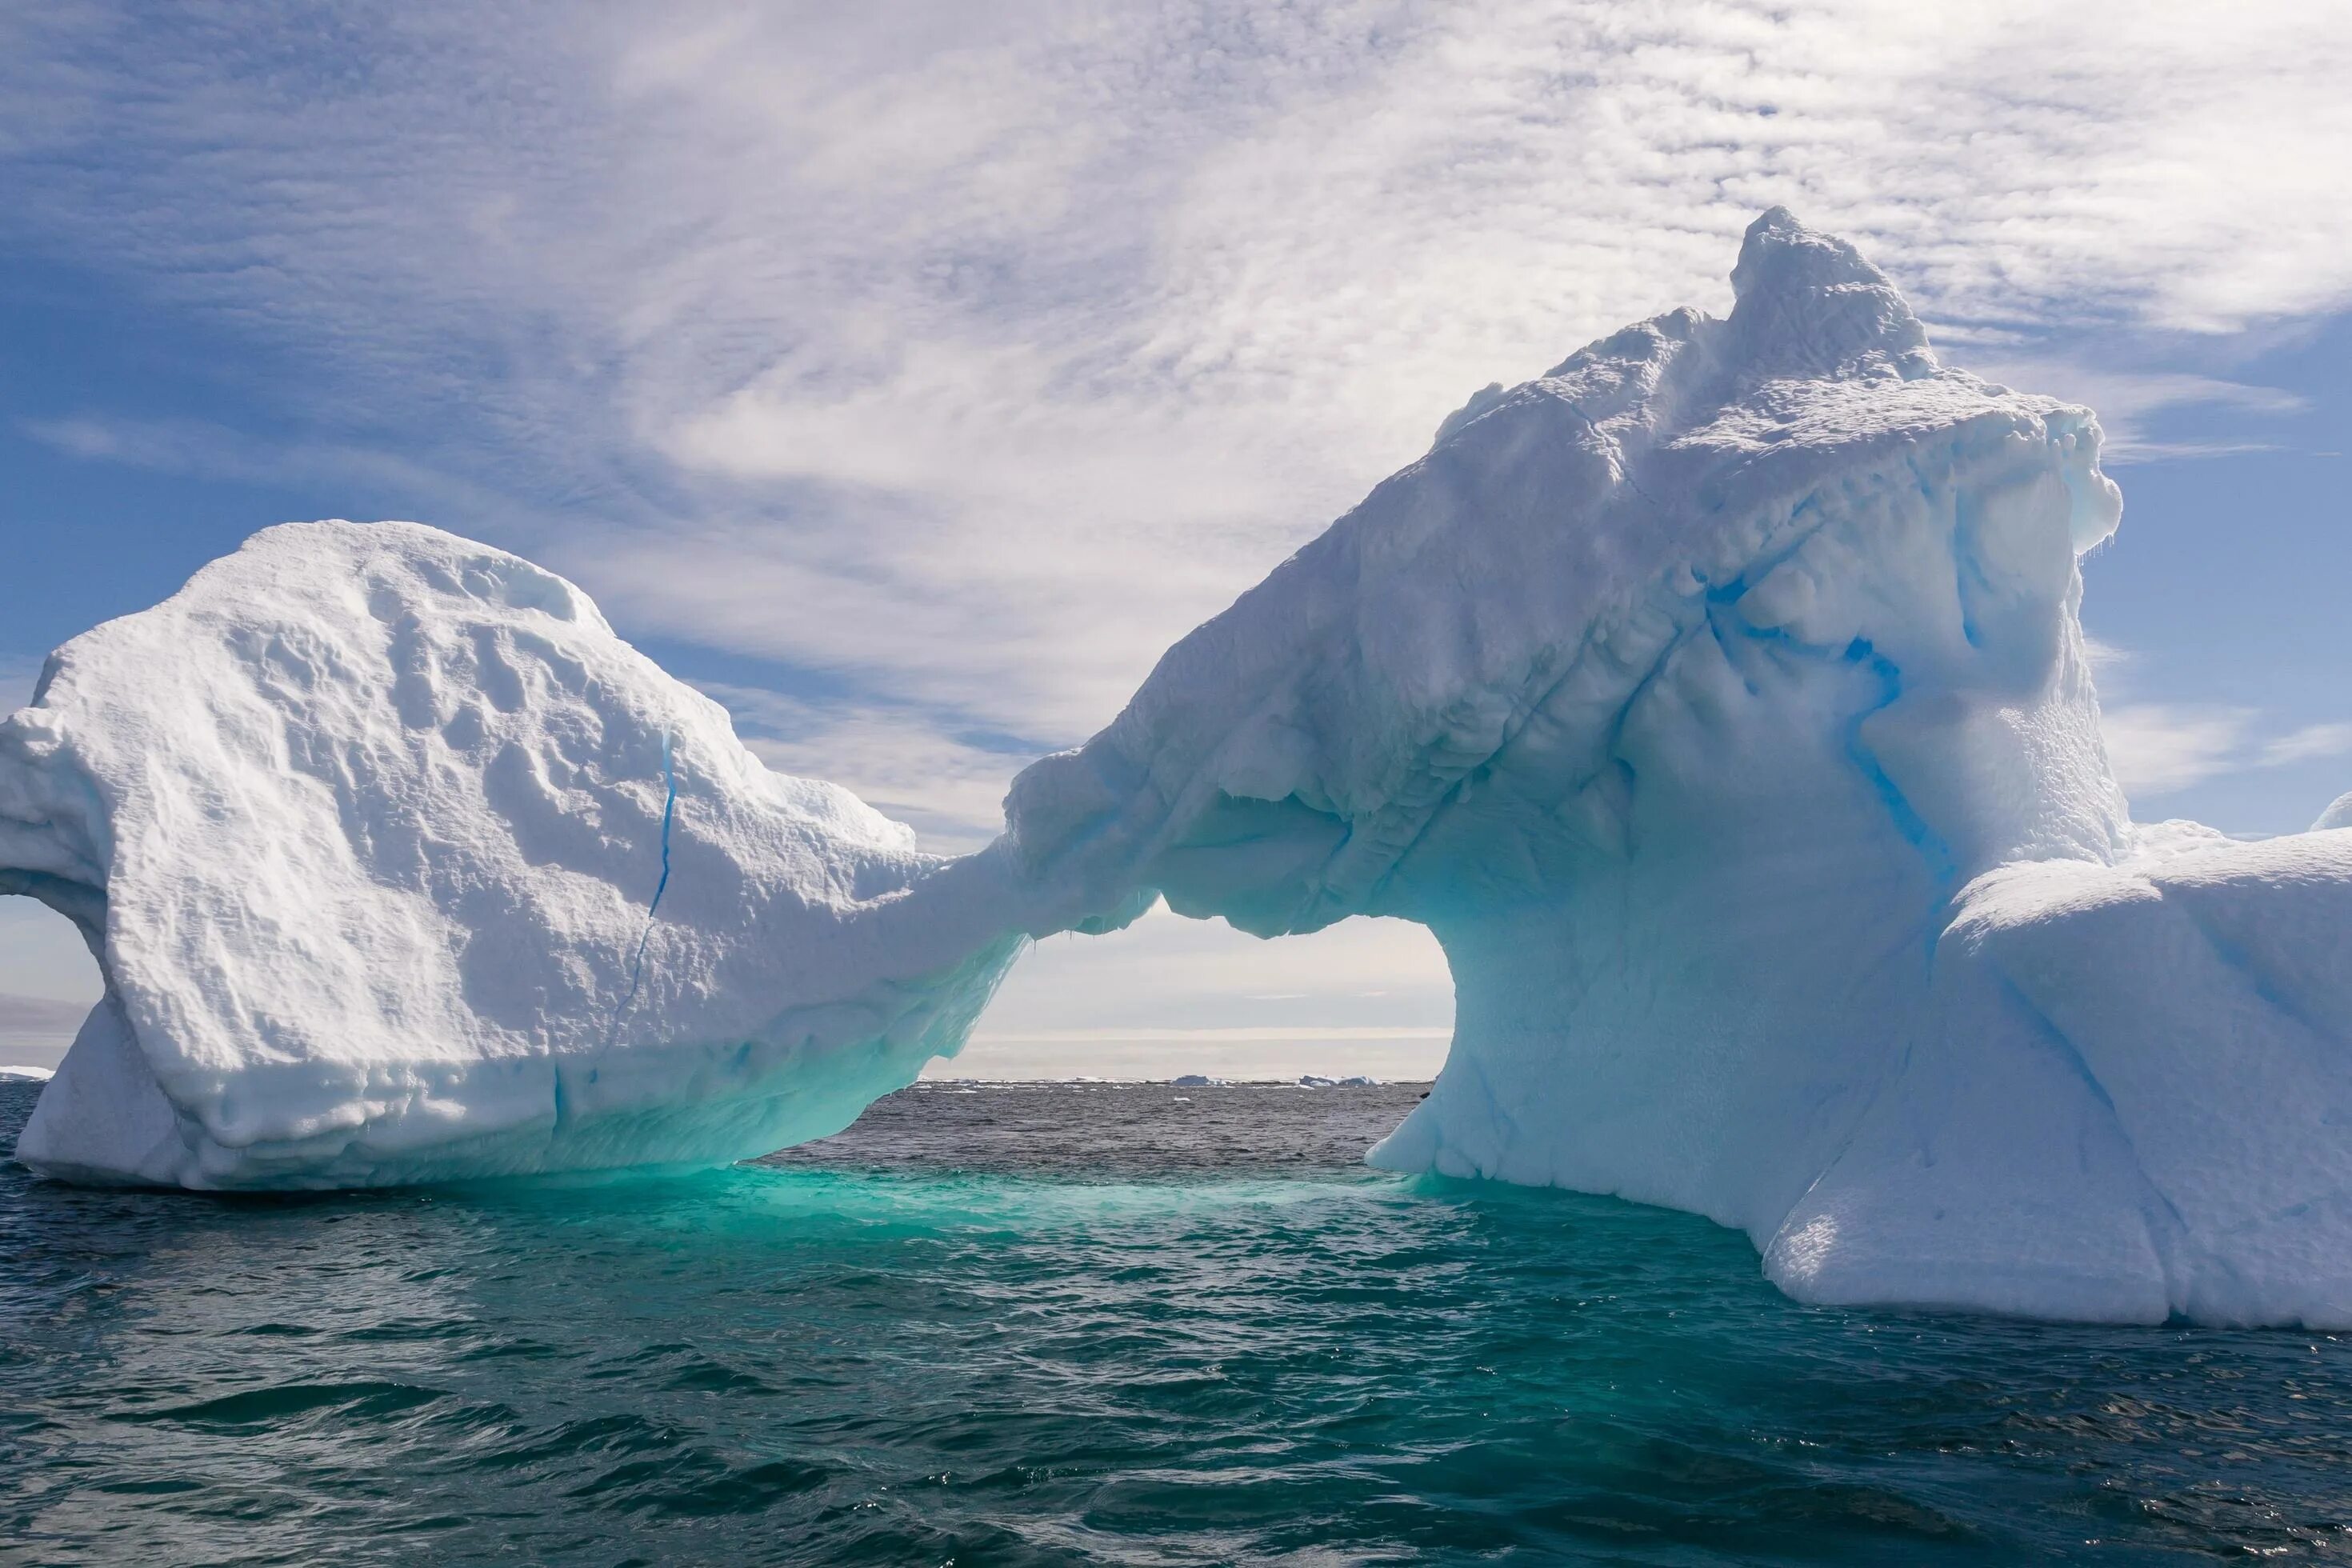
1718, 700
2338, 814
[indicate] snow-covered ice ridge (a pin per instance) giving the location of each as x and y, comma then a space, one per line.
1718, 700
401, 867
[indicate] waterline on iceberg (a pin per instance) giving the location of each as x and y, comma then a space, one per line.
1718, 700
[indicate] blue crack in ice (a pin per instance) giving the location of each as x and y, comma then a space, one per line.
669, 814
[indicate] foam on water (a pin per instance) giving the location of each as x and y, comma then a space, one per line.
1081, 1324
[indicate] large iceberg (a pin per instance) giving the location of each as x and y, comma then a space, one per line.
1718, 700
401, 867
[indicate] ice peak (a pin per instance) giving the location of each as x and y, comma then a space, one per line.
1780, 253
1808, 303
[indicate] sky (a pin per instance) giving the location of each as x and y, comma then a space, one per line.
909, 375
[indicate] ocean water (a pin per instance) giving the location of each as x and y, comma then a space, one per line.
1052, 1324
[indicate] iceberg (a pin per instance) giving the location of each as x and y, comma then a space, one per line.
1718, 700
400, 867
2338, 814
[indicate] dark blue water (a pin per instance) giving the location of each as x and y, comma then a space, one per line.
1064, 1324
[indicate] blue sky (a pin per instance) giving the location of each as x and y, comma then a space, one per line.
910, 374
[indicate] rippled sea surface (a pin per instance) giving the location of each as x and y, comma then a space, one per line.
1082, 1324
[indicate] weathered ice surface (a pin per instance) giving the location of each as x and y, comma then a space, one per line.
1719, 700
401, 867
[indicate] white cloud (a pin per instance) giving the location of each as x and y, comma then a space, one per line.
1166, 972
976, 352
2107, 657
950, 790
1172, 996
2156, 748
2125, 399
189, 446
2311, 742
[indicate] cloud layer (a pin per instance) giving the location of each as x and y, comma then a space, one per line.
2159, 748
971, 353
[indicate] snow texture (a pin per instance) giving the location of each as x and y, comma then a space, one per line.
1720, 703
401, 867
2338, 814
1718, 700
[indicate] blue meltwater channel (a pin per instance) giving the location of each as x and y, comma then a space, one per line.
1082, 1323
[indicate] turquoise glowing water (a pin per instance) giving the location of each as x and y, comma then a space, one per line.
1064, 1325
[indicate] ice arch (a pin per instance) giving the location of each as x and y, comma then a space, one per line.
1717, 700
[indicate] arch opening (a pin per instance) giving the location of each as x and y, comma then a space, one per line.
1170, 996
48, 982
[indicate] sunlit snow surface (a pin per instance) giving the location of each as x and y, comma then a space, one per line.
1718, 700
402, 867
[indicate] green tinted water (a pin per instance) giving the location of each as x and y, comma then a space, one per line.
1074, 1324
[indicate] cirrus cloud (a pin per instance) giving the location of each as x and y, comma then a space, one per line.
973, 352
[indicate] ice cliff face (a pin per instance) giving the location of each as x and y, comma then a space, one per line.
401, 867
1718, 700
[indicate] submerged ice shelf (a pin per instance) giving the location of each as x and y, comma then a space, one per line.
1717, 699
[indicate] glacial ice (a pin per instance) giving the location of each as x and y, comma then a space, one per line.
1718, 700
401, 867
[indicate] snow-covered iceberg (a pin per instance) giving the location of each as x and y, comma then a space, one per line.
401, 867
1719, 702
